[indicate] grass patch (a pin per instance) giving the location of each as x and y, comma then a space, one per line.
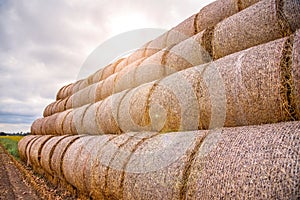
11, 144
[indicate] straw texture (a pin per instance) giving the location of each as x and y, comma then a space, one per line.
258, 162
260, 23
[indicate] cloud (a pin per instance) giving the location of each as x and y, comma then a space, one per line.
44, 43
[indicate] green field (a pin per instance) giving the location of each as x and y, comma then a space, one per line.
11, 144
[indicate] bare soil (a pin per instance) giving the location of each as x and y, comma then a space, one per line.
17, 181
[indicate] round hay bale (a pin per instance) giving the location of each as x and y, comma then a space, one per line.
59, 93
249, 103
54, 108
59, 122
36, 127
222, 93
45, 126
149, 70
125, 76
84, 96
48, 109
98, 90
215, 12
77, 160
108, 71
137, 55
22, 146
108, 86
28, 149
35, 152
96, 146
242, 4
121, 65
255, 25
296, 73
135, 63
47, 153
68, 124
163, 108
106, 114
72, 161
89, 120
68, 90
291, 12
69, 103
49, 125
156, 169
181, 32
114, 181
58, 155
78, 118
124, 79
133, 109
75, 87
188, 53
97, 76
100, 167
60, 107
156, 45
252, 162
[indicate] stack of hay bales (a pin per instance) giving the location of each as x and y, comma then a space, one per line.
209, 110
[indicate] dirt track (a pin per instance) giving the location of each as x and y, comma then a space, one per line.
14, 184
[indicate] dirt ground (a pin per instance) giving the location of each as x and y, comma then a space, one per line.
19, 182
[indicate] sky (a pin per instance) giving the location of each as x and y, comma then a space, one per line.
43, 45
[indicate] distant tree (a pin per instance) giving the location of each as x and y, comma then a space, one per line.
2, 134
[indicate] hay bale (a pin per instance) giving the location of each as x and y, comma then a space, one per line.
296, 73
156, 45
149, 70
108, 86
133, 111
68, 125
68, 90
181, 32
48, 109
156, 168
23, 144
125, 76
98, 90
121, 65
72, 161
96, 146
100, 167
138, 54
254, 162
58, 156
218, 94
115, 173
48, 127
291, 12
190, 52
78, 118
36, 127
59, 122
215, 12
47, 153
260, 23
135, 63
89, 120
84, 96
35, 153
28, 150
77, 160
106, 114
